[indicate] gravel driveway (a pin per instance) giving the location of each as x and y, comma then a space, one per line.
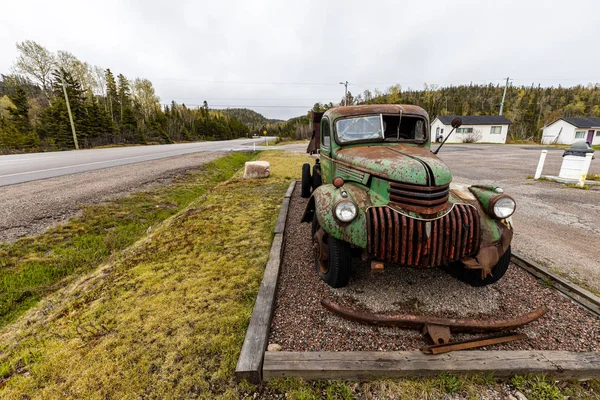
300, 323
30, 208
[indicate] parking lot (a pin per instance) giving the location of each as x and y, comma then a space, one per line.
555, 225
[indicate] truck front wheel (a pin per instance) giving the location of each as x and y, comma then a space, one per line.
473, 276
333, 257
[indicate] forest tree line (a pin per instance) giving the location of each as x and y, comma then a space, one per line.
106, 108
529, 108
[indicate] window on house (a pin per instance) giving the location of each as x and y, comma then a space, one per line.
464, 130
579, 134
496, 130
597, 133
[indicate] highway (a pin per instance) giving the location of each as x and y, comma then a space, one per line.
21, 168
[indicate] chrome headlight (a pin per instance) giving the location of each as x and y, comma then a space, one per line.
345, 211
502, 207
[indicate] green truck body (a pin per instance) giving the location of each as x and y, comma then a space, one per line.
375, 164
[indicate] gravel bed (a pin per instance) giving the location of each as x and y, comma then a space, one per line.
300, 323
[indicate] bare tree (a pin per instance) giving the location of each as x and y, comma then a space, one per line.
143, 93
99, 81
37, 63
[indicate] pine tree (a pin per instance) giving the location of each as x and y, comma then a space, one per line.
112, 95
19, 115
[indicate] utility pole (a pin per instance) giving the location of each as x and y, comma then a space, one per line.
345, 92
503, 96
62, 79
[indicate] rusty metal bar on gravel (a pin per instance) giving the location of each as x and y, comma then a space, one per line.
418, 321
472, 343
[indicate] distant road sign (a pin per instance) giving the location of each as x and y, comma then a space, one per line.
264, 132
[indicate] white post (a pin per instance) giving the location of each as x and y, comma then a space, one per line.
538, 171
584, 169
254, 143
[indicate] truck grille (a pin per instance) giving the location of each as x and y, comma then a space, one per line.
424, 199
393, 237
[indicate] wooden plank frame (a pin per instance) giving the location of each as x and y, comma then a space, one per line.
256, 364
367, 365
249, 365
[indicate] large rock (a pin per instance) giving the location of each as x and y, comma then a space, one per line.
257, 169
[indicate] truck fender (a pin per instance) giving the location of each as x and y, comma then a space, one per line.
322, 202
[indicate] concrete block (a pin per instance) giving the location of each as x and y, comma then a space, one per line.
257, 169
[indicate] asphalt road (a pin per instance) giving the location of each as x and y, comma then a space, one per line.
29, 167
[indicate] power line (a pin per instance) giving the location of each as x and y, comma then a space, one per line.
247, 82
242, 106
243, 99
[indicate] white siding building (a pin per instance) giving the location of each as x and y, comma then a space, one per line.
569, 130
474, 128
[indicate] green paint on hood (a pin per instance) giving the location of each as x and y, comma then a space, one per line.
398, 163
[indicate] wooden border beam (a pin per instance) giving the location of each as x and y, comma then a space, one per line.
366, 365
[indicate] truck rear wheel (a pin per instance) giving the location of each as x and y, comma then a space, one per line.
306, 181
333, 257
473, 276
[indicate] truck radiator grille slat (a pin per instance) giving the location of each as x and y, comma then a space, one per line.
407, 195
393, 237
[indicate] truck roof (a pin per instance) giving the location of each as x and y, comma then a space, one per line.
346, 111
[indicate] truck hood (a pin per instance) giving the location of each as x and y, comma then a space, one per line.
400, 163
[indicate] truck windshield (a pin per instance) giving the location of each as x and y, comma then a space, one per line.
359, 128
391, 128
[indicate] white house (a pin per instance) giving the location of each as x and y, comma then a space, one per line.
569, 130
474, 128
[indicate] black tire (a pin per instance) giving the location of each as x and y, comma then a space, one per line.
306, 181
316, 176
473, 276
336, 272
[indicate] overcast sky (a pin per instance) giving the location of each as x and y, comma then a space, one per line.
289, 55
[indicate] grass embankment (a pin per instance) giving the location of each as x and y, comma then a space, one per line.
34, 267
167, 317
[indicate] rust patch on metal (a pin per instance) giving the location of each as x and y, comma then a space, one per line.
395, 109
394, 237
439, 334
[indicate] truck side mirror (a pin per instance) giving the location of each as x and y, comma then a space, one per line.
456, 122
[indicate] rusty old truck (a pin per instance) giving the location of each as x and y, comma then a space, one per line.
378, 192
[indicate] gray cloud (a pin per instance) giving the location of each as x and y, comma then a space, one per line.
248, 53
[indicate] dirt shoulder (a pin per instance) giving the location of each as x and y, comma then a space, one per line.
32, 207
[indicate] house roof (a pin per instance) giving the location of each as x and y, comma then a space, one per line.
581, 122
476, 119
